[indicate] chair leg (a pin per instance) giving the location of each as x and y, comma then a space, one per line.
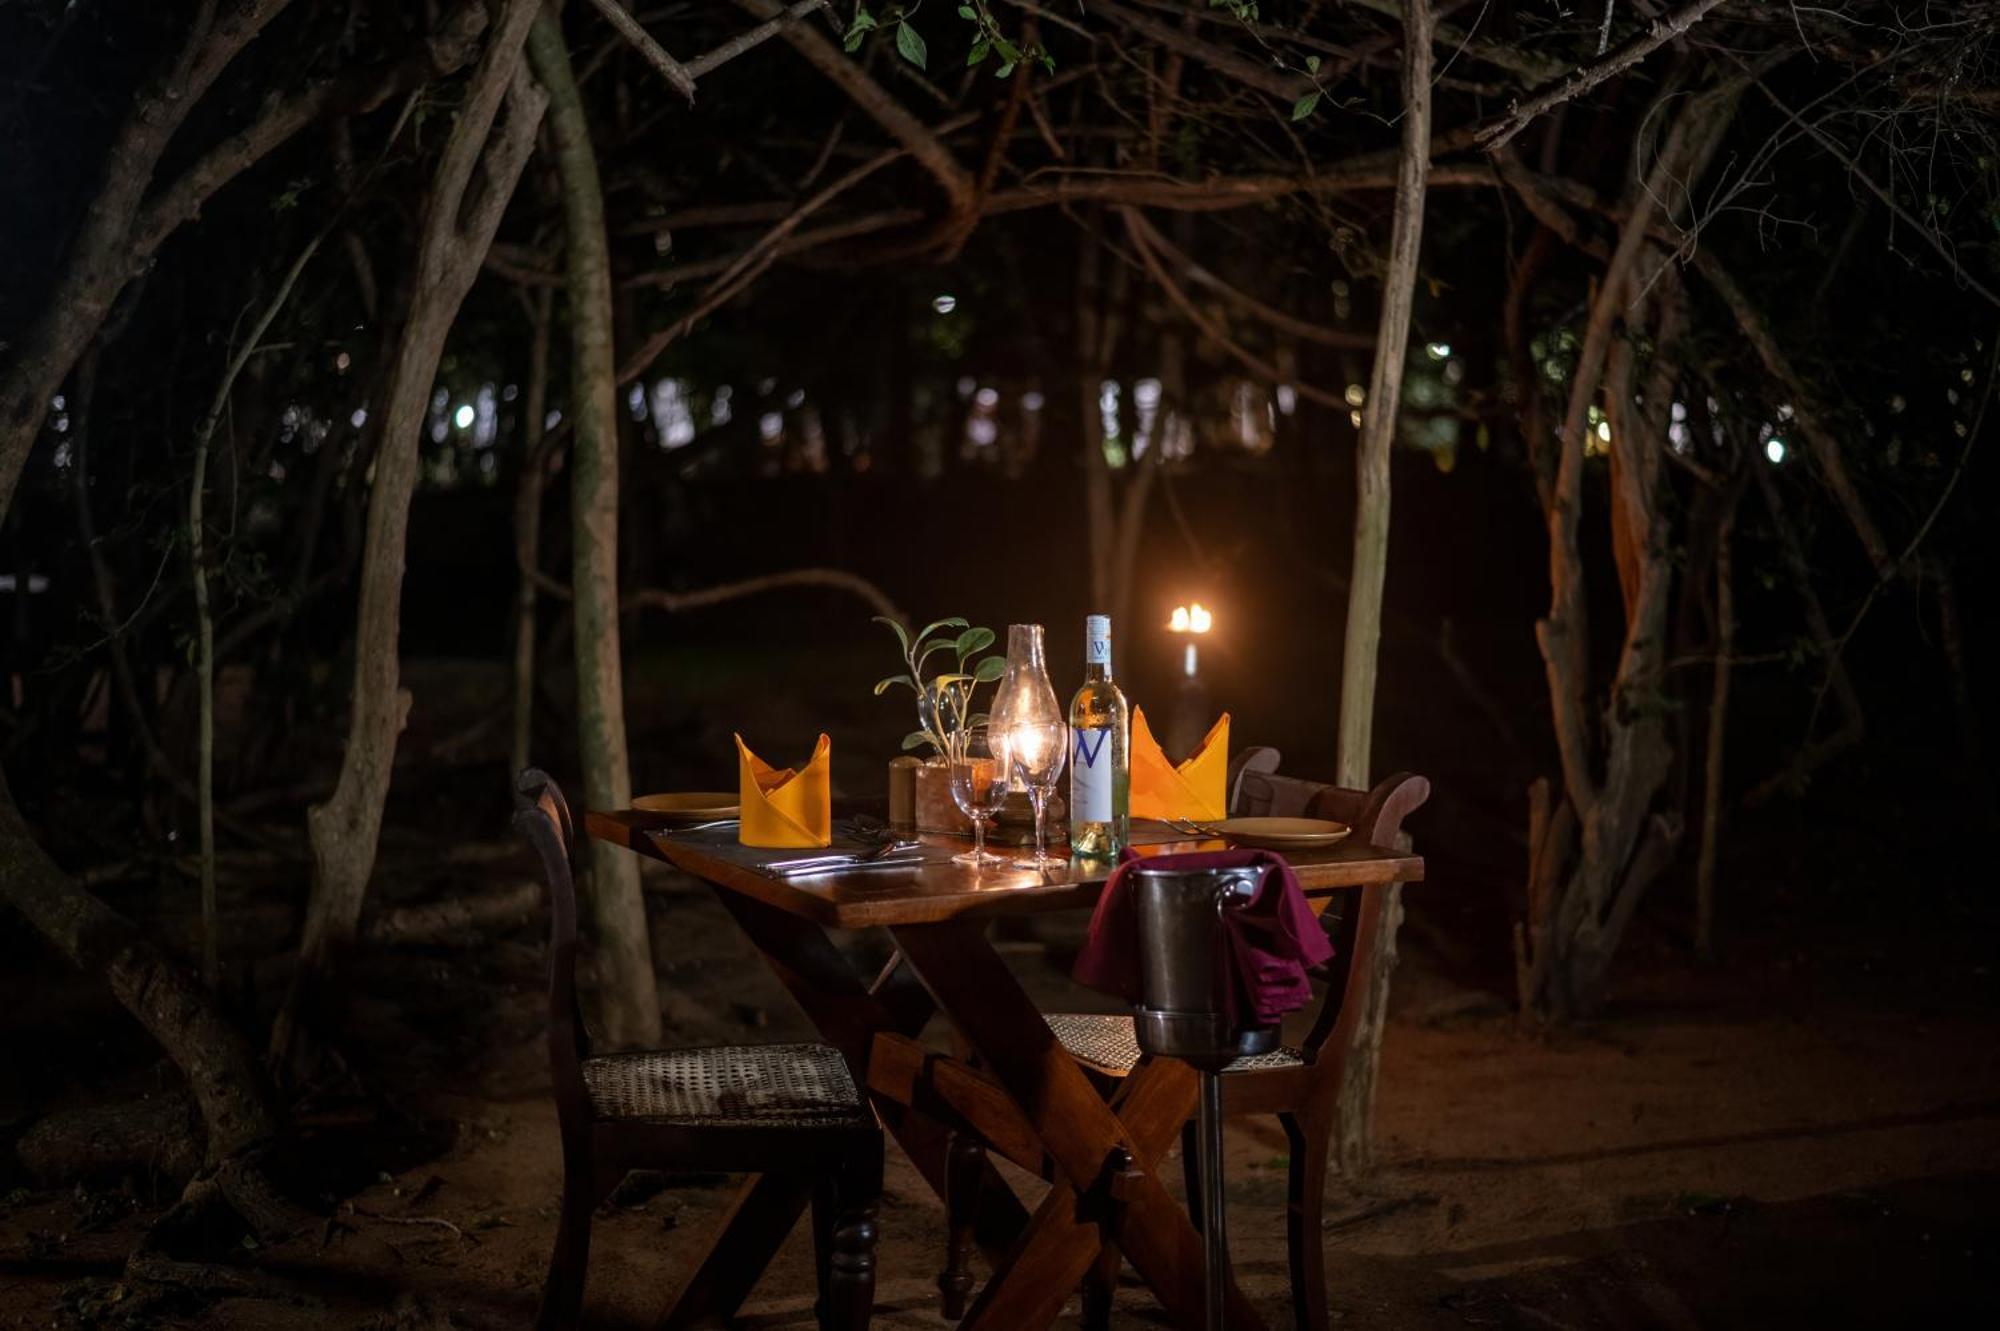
562, 1293
1305, 1205
849, 1293
965, 1171
1191, 1172
1099, 1288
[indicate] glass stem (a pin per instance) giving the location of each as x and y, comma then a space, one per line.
1041, 802
978, 839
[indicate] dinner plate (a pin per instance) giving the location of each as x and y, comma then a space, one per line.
690, 806
1283, 833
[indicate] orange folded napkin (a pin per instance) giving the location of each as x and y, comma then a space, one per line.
1198, 788
784, 809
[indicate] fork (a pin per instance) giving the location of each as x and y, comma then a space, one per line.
1193, 828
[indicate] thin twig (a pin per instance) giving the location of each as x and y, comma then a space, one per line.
673, 71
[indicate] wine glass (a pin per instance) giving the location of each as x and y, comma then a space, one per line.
1036, 752
979, 781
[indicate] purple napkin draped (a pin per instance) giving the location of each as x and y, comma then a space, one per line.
1267, 943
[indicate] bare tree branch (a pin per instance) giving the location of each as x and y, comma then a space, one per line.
672, 70
1582, 79
874, 100
755, 37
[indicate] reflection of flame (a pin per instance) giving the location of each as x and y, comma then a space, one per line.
1178, 622
1199, 620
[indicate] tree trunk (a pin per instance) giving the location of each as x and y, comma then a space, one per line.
528, 530
628, 1000
1613, 765
459, 218
1353, 1143
221, 1069
1718, 730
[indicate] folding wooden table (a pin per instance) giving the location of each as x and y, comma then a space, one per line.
1024, 1096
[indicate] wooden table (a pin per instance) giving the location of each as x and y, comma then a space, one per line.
1025, 1097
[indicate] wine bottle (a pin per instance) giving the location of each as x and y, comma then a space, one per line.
1100, 782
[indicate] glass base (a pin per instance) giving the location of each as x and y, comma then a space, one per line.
984, 859
1044, 861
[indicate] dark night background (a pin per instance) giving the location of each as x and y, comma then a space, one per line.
1799, 1120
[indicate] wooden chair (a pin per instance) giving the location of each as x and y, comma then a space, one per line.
1299, 1085
762, 1109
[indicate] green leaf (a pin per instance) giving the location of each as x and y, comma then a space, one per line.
967, 12
955, 622
916, 739
973, 640
1008, 51
902, 634
980, 50
976, 720
989, 669
1004, 70
1304, 106
1312, 63
883, 685
910, 45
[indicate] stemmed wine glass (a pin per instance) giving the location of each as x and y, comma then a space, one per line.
979, 782
1036, 752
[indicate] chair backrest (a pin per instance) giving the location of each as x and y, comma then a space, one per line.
1377, 817
542, 816
1243, 764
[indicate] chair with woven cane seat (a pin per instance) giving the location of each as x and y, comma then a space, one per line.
1299, 1085
763, 1108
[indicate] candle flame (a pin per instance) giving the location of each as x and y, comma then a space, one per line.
1199, 620
1178, 621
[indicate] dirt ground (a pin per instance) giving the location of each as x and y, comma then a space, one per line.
1810, 1133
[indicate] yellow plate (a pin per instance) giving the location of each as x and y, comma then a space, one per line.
694, 806
1283, 833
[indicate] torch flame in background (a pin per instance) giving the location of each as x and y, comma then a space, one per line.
1193, 618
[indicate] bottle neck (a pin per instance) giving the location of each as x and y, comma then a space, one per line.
1097, 661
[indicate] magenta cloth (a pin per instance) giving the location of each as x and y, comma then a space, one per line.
1267, 943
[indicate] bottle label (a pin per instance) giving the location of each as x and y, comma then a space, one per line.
1097, 640
1090, 775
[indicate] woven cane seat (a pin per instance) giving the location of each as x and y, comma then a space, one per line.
774, 1086
1107, 1044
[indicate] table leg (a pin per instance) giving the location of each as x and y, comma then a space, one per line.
1089, 1140
766, 1209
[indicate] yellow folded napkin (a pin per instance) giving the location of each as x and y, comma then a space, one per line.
784, 809
1197, 789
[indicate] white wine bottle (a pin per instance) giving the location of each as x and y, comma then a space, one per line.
1100, 777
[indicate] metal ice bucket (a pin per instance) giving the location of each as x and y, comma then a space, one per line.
1180, 1013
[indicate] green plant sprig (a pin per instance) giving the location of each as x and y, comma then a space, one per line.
944, 702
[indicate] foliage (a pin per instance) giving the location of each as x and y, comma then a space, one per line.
944, 701
988, 38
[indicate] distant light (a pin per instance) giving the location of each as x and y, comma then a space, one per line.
1288, 399
359, 418
1437, 350
945, 304
1033, 400
1146, 394
987, 397
341, 362
770, 425
1604, 431
796, 399
1774, 449
1178, 621
1356, 395
462, 418
967, 385
58, 402
1354, 417
1199, 619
